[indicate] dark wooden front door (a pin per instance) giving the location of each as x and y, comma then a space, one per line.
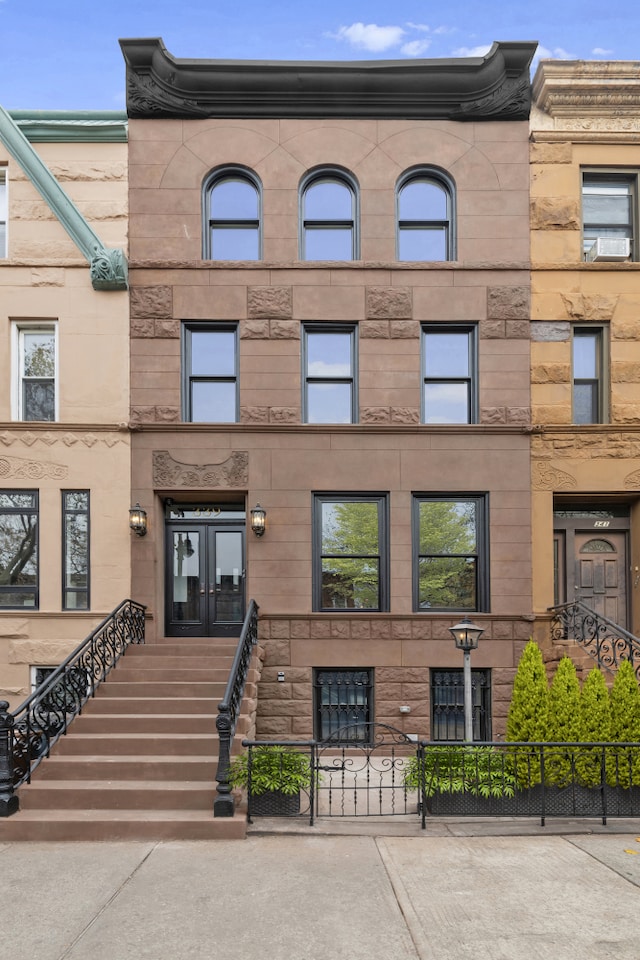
205, 577
600, 574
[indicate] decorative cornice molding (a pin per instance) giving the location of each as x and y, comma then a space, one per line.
232, 472
108, 267
493, 87
67, 126
579, 89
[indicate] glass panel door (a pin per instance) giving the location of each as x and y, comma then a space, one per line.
226, 591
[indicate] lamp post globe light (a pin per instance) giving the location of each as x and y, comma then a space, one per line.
466, 635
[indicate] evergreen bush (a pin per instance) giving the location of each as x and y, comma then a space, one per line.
528, 711
624, 700
563, 722
595, 725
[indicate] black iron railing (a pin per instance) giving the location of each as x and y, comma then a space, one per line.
28, 733
229, 710
607, 642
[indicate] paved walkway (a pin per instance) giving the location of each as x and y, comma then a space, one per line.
325, 897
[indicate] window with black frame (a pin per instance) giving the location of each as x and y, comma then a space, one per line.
447, 704
210, 373
233, 217
425, 219
350, 552
589, 368
18, 549
450, 552
609, 202
75, 549
329, 217
329, 358
449, 373
343, 704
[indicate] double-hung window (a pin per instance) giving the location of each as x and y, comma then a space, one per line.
75, 549
3, 213
450, 552
589, 374
447, 704
329, 374
18, 548
449, 374
343, 704
609, 211
210, 373
350, 546
233, 218
425, 217
36, 381
329, 217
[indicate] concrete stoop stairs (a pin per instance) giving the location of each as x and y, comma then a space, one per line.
140, 761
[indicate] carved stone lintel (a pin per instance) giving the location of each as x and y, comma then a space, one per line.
550, 478
632, 481
109, 270
19, 469
232, 472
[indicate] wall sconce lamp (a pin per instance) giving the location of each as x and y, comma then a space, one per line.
138, 520
258, 520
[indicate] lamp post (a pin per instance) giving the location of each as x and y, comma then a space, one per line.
466, 636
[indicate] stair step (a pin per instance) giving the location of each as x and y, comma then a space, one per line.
148, 706
151, 674
145, 744
122, 825
167, 650
201, 662
135, 723
117, 795
161, 689
160, 767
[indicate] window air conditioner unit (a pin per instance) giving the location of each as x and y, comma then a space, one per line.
610, 248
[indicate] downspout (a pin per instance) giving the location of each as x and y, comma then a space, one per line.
108, 267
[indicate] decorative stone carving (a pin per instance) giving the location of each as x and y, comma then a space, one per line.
508, 303
284, 415
152, 302
632, 481
492, 329
388, 303
598, 92
284, 329
546, 477
589, 306
375, 415
51, 438
404, 415
254, 414
518, 415
254, 329
167, 329
554, 213
493, 415
404, 329
18, 469
109, 270
232, 472
375, 329
272, 303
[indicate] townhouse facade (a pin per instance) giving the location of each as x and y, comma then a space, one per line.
585, 350
330, 387
64, 443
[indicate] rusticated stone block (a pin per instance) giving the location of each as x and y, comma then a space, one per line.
143, 414
167, 415
551, 153
404, 329
151, 301
300, 630
340, 629
401, 629
280, 630
284, 415
167, 329
402, 674
551, 373
625, 331
375, 415
594, 306
275, 691
508, 303
554, 213
517, 329
493, 415
254, 414
360, 629
284, 329
492, 330
380, 630
274, 303
553, 413
404, 415
254, 330
388, 691
421, 629
303, 692
501, 630
518, 415
143, 328
47, 277
320, 629
277, 653
388, 303
273, 727
625, 413
625, 372
550, 331
522, 630
375, 329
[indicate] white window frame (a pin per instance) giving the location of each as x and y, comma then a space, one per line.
19, 328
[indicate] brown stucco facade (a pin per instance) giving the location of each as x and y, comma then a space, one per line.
585, 475
271, 456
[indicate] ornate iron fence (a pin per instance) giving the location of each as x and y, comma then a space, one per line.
606, 641
229, 709
28, 733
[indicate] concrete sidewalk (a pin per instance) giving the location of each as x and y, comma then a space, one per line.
320, 897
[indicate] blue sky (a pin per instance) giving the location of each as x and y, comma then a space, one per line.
64, 54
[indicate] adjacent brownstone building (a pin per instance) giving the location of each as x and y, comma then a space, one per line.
330, 306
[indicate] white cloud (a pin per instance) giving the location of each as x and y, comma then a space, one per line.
415, 48
479, 51
558, 53
420, 27
599, 52
369, 36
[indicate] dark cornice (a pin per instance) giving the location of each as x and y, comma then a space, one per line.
494, 87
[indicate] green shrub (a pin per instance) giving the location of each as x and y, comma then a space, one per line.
595, 725
624, 702
479, 771
273, 768
563, 721
528, 712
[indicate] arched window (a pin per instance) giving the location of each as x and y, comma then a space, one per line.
425, 216
233, 216
329, 217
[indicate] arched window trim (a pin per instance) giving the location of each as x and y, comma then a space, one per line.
215, 177
339, 175
446, 182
